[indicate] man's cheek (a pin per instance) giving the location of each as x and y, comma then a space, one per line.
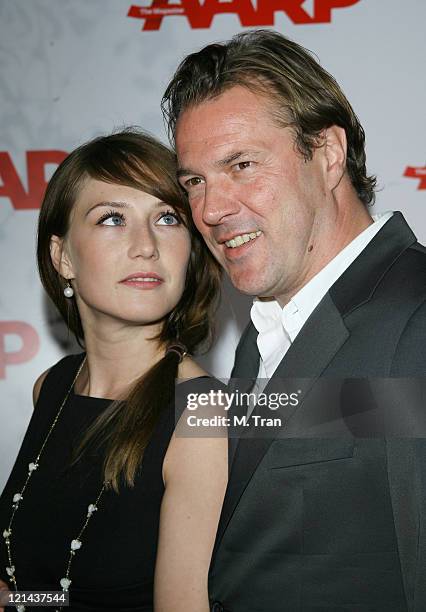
197, 216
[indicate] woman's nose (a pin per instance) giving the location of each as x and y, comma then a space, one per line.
144, 244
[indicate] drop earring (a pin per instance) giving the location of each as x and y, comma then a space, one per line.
68, 291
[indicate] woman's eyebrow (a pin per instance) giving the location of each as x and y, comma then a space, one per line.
112, 204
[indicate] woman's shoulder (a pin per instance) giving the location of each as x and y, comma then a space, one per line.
189, 368
194, 385
38, 385
192, 375
57, 374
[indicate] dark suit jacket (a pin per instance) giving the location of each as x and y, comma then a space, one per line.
334, 524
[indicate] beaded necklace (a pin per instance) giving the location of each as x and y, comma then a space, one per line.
77, 542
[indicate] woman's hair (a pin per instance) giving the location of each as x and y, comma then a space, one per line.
302, 94
134, 159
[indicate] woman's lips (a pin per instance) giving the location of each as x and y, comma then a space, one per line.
143, 280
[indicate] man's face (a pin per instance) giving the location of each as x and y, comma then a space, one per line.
255, 200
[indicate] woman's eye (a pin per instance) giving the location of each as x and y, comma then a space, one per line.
169, 218
111, 218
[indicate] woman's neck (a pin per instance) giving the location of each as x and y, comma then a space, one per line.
117, 355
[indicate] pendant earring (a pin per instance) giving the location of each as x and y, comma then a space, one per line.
68, 291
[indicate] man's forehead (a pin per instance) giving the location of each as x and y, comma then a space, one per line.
220, 145
235, 106
212, 129
217, 136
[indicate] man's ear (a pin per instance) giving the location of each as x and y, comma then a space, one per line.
335, 147
60, 259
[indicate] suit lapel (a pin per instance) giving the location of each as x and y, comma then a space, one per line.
301, 360
306, 358
243, 376
359, 281
247, 356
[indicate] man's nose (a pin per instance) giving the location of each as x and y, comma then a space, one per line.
219, 203
143, 243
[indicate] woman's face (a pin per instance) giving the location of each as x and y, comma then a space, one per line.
126, 253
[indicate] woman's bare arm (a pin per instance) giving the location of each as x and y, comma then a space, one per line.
3, 587
195, 473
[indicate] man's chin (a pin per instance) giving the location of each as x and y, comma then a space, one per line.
248, 285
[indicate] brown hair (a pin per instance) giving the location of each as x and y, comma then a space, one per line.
304, 96
135, 159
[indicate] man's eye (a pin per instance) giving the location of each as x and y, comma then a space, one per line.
192, 182
243, 165
111, 218
168, 218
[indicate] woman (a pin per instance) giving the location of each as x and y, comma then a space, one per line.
119, 256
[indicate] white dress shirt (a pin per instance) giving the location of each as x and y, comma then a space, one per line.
278, 327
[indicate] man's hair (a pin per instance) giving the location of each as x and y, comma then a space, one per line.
303, 95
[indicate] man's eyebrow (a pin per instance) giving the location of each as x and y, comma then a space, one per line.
184, 172
107, 205
221, 162
230, 158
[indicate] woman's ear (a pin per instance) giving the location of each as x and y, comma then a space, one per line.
60, 259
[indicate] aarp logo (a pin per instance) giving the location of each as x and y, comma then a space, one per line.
200, 14
27, 192
418, 173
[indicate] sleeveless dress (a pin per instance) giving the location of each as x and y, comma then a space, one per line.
114, 569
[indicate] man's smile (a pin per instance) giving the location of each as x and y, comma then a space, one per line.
240, 239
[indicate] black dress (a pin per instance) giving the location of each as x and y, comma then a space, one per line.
114, 569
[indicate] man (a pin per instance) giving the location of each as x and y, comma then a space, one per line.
272, 157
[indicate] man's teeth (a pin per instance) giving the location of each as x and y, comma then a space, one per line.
241, 239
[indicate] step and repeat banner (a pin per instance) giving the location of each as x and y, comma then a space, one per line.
74, 69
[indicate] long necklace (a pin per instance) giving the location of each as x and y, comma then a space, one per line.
76, 543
